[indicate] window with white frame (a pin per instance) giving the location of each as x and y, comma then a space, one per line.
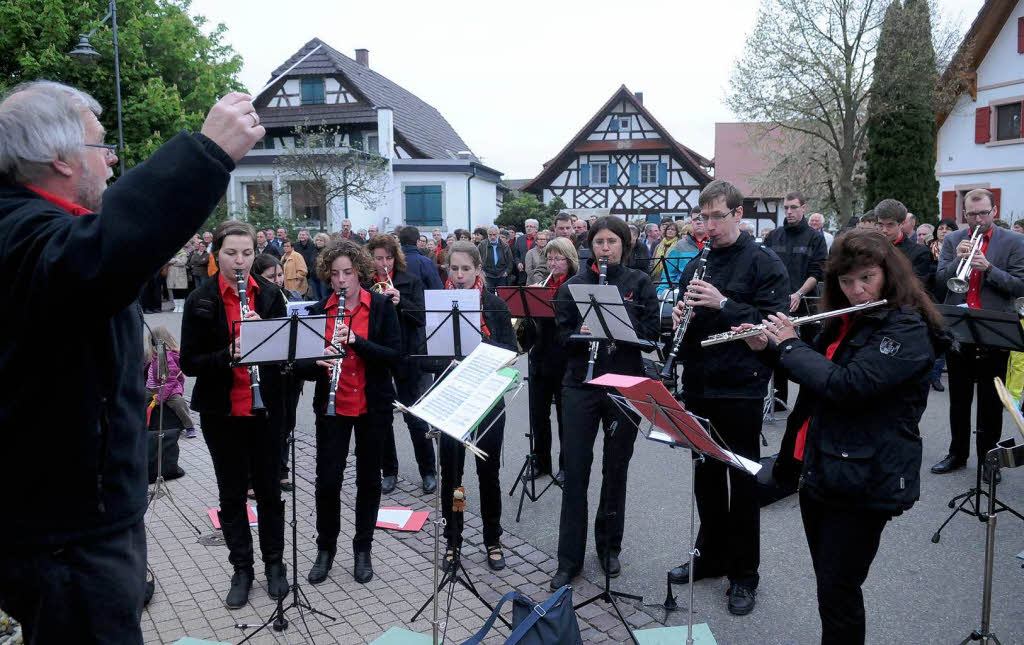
259, 196
1008, 121
649, 173
371, 146
599, 174
625, 123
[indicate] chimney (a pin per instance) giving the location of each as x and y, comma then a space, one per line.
385, 131
640, 97
464, 154
363, 57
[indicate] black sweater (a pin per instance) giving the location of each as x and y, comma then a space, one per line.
802, 250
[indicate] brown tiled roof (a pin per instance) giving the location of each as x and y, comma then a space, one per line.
317, 115
419, 124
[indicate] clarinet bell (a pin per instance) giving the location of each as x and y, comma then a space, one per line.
257, 402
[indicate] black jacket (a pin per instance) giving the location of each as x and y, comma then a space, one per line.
641, 260
205, 338
920, 257
641, 305
74, 425
309, 253
412, 319
754, 280
802, 250
380, 351
506, 262
863, 447
270, 249
499, 322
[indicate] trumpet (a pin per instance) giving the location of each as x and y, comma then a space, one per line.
336, 366
257, 406
383, 285
729, 336
960, 282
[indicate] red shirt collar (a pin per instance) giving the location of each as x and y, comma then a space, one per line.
70, 207
225, 286
332, 302
899, 239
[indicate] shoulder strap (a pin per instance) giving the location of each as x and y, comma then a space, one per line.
538, 612
478, 637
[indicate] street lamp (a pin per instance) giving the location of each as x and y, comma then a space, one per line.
85, 54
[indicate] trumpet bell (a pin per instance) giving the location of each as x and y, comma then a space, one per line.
380, 287
958, 285
1018, 305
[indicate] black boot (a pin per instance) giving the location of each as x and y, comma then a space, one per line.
277, 580
324, 561
363, 572
241, 582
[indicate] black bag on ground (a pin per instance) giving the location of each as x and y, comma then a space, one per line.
552, 622
172, 431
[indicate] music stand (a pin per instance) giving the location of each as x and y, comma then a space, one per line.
529, 302
991, 329
665, 421
602, 309
281, 342
452, 318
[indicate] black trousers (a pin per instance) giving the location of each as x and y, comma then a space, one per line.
843, 543
729, 539
89, 592
974, 364
591, 407
408, 390
332, 440
244, 449
545, 388
453, 462
289, 426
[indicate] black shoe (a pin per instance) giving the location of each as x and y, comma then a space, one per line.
238, 595
612, 562
387, 484
448, 561
533, 472
429, 483
495, 563
741, 599
948, 464
363, 571
277, 580
937, 385
681, 574
322, 566
560, 478
287, 487
561, 578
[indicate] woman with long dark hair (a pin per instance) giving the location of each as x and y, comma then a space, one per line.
854, 428
243, 443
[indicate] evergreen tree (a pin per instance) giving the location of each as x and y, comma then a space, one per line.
901, 126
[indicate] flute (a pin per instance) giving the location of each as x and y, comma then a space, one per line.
729, 336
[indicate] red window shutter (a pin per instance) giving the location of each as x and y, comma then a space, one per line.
1020, 35
997, 194
949, 204
982, 125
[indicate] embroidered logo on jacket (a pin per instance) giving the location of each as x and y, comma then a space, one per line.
888, 346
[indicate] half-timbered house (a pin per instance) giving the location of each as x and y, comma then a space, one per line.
623, 162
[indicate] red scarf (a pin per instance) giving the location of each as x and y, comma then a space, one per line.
554, 283
479, 286
801, 435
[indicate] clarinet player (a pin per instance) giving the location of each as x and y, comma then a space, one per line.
243, 440
743, 282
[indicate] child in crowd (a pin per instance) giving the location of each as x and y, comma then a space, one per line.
172, 395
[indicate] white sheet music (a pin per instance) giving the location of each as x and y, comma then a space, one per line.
614, 312
441, 342
308, 343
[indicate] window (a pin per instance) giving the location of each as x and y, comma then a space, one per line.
371, 144
1008, 122
266, 143
599, 173
624, 123
649, 173
306, 202
259, 196
312, 91
423, 206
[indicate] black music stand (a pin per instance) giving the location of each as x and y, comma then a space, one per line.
607, 315
529, 302
992, 329
289, 327
456, 574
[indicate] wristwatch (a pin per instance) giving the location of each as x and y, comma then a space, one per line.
721, 303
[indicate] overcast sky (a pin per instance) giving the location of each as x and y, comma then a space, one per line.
517, 82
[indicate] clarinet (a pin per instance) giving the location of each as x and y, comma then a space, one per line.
595, 346
254, 370
667, 371
336, 367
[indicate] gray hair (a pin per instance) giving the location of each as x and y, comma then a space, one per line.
532, 221
651, 226
41, 122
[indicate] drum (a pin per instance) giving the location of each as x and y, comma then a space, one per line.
668, 301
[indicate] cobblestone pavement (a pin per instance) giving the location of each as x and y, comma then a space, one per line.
192, 579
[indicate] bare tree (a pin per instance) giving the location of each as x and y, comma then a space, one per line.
328, 169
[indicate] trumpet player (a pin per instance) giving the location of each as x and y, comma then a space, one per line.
406, 292
743, 282
993, 276
242, 443
368, 332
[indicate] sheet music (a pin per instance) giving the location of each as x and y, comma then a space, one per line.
614, 312
308, 343
300, 307
457, 404
438, 305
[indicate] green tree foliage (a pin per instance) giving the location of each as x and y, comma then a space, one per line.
515, 212
173, 66
901, 115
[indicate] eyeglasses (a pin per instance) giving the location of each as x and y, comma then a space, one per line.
109, 147
715, 217
978, 213
792, 208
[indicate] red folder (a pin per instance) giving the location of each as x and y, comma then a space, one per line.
535, 301
415, 522
215, 518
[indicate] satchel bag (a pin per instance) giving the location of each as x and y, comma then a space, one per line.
551, 623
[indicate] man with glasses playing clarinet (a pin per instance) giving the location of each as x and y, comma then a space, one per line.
995, 279
743, 282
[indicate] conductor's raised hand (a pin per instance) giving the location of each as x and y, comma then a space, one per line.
756, 343
234, 125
